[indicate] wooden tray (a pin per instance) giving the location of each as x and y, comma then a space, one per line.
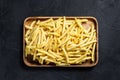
30, 63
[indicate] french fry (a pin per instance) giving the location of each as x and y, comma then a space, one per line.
60, 41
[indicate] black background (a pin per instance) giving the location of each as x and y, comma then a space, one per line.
12, 15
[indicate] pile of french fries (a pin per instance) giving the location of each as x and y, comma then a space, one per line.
62, 41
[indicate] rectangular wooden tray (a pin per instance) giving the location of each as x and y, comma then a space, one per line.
27, 60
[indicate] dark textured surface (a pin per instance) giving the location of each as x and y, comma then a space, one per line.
12, 15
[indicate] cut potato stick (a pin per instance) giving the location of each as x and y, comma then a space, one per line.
93, 52
45, 52
66, 55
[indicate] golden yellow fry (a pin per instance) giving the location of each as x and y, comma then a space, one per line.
64, 25
67, 31
45, 52
38, 22
34, 55
92, 32
84, 59
54, 54
83, 20
93, 52
64, 41
27, 33
88, 43
50, 60
80, 59
79, 24
55, 34
66, 55
43, 58
46, 21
